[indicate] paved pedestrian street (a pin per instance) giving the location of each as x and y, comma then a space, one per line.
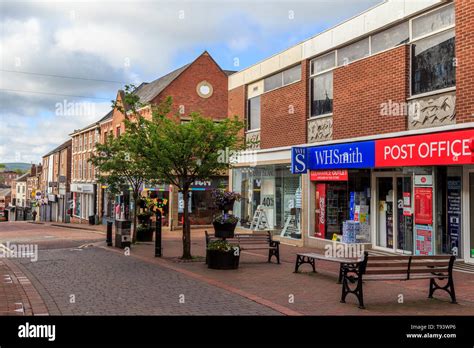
77, 274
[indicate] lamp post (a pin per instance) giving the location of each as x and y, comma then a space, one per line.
158, 206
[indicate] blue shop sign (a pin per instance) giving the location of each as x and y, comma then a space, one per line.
340, 156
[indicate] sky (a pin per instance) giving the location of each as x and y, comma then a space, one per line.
62, 62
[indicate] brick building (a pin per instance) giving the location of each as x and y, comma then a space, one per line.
54, 184
200, 86
7, 176
364, 133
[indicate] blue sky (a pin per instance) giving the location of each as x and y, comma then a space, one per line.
101, 44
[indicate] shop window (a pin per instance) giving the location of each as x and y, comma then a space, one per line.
389, 38
352, 52
253, 113
433, 21
276, 191
342, 208
433, 63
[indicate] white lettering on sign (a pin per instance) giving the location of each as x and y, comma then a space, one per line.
432, 149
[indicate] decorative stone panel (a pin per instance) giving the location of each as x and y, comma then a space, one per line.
432, 111
252, 140
320, 129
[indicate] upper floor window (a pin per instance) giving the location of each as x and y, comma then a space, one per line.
85, 142
253, 120
118, 131
355, 51
433, 64
80, 143
282, 78
392, 37
433, 22
321, 84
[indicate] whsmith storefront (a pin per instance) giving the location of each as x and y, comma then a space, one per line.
411, 194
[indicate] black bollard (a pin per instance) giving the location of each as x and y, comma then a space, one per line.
109, 233
158, 234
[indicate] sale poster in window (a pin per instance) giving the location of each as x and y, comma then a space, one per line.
424, 205
424, 234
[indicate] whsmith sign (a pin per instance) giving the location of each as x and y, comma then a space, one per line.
340, 156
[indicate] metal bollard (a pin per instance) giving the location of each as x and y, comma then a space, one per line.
109, 233
158, 234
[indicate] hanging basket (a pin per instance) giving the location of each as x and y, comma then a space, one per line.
224, 230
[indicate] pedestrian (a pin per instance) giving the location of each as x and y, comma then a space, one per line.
34, 215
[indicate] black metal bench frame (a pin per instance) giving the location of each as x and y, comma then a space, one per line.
310, 258
353, 273
273, 246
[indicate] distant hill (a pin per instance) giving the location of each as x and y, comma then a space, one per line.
15, 166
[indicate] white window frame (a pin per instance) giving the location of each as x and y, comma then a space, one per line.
282, 80
248, 113
436, 32
314, 75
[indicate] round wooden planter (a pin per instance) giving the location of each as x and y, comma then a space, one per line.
217, 259
145, 235
225, 230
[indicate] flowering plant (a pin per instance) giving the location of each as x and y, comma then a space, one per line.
226, 219
221, 245
222, 197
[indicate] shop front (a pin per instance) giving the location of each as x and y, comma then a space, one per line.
339, 191
201, 206
410, 195
271, 199
418, 196
84, 202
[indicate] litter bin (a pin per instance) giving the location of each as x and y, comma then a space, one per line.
123, 234
91, 219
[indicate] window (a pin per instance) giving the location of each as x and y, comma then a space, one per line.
105, 137
433, 63
392, 37
321, 84
357, 50
80, 169
282, 78
254, 113
322, 94
323, 63
431, 22
91, 138
91, 171
118, 131
85, 141
80, 143
84, 168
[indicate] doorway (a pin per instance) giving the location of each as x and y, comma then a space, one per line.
469, 221
394, 213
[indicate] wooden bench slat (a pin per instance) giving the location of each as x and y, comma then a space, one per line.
386, 271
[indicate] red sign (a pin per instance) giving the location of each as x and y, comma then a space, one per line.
424, 205
445, 148
329, 175
320, 210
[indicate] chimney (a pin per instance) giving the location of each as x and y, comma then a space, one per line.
33, 170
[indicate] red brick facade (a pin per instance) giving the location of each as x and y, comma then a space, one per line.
465, 61
237, 103
185, 96
283, 114
360, 89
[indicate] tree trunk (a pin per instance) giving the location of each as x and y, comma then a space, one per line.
186, 228
135, 208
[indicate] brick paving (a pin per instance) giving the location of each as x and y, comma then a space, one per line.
103, 280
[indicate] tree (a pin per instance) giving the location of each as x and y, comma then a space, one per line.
181, 153
2, 167
119, 160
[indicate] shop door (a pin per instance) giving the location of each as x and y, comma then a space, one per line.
320, 212
470, 253
404, 214
385, 212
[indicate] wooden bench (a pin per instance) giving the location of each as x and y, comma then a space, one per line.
310, 258
374, 268
252, 241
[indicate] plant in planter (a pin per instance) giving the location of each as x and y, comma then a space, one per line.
222, 255
224, 225
144, 217
144, 233
224, 200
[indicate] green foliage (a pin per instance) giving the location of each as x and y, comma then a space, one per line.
221, 245
226, 219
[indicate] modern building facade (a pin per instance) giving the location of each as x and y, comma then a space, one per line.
364, 133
